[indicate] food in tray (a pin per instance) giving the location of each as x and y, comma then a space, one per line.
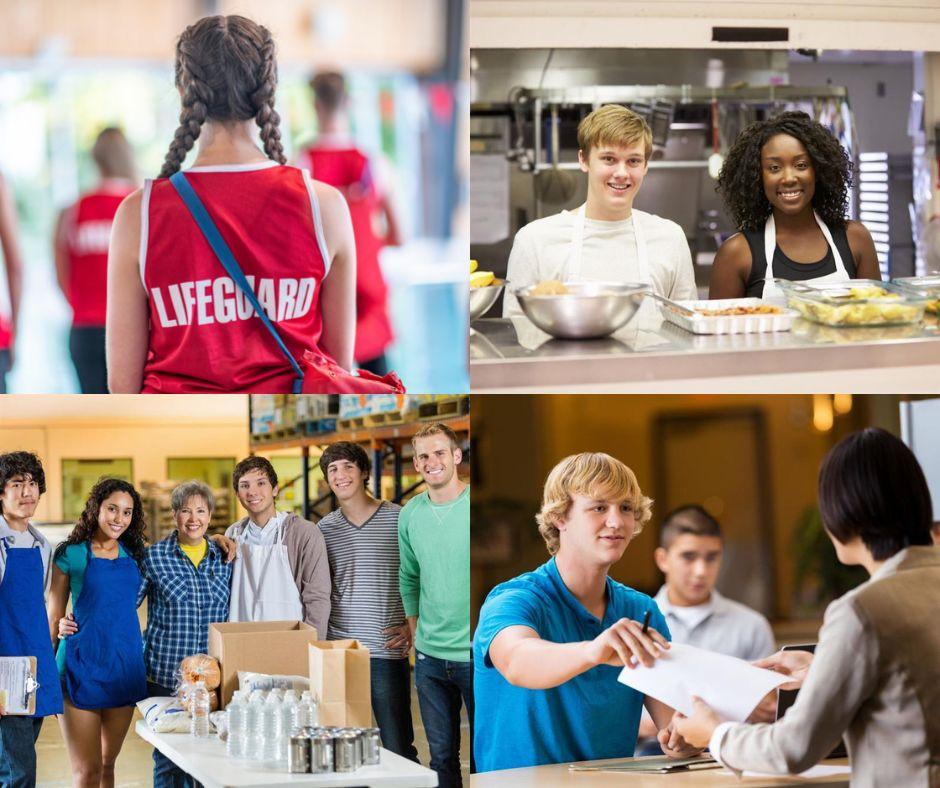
874, 306
933, 306
764, 309
550, 287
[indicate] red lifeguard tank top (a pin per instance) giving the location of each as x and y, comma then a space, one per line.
89, 233
204, 335
347, 168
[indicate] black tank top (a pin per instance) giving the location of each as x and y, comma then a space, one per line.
785, 268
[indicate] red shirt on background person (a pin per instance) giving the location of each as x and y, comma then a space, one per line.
82, 235
333, 158
14, 278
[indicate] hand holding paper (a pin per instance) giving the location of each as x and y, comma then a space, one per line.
731, 686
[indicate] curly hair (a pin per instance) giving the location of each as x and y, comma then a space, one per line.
226, 71
594, 474
132, 539
21, 463
741, 181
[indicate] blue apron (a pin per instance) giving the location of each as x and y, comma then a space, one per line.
104, 660
24, 628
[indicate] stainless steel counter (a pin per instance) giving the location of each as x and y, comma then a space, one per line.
653, 356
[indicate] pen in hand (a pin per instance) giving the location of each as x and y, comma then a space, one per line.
646, 622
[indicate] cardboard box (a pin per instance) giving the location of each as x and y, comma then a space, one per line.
277, 647
340, 677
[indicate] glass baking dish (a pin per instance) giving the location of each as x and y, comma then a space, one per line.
856, 302
926, 286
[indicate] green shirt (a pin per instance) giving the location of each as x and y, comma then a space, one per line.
434, 578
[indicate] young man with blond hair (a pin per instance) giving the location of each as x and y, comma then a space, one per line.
606, 239
550, 643
434, 580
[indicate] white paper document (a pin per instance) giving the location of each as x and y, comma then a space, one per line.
731, 686
489, 198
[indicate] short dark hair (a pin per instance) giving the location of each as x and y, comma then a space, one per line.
254, 464
329, 88
871, 486
345, 450
687, 519
21, 463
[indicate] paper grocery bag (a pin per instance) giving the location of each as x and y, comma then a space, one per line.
340, 678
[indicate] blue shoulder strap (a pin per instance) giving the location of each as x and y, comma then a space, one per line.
217, 242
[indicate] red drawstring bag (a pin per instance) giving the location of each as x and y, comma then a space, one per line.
322, 375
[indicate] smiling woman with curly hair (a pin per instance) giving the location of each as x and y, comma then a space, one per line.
785, 184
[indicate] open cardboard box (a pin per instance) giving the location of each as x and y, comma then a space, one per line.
276, 647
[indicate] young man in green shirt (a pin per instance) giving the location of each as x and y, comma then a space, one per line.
434, 579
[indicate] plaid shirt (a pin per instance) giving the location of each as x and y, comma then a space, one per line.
182, 602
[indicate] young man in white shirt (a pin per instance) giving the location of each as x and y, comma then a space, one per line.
282, 572
606, 239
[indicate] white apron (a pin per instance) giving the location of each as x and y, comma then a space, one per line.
572, 267
771, 291
263, 587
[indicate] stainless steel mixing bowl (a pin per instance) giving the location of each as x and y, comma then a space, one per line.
588, 311
482, 298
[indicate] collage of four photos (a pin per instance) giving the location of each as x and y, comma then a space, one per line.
691, 374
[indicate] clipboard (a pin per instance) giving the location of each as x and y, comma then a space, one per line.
18, 685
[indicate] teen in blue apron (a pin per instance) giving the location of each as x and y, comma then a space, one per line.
24, 632
104, 662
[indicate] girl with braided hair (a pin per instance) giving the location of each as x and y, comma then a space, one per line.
785, 183
177, 322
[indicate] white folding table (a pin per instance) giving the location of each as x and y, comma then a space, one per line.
207, 761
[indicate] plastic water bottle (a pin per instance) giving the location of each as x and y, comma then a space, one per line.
199, 710
305, 714
253, 741
288, 705
271, 731
237, 733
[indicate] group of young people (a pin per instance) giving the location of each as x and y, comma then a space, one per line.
307, 238
784, 183
550, 643
391, 577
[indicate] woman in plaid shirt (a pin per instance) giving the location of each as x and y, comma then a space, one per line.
186, 582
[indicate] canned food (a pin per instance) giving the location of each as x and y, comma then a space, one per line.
346, 752
321, 753
298, 753
371, 746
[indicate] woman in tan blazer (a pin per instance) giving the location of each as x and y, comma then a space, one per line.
875, 677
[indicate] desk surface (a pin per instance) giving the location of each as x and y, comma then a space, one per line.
207, 761
649, 353
558, 776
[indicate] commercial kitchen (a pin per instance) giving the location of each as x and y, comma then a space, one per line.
526, 104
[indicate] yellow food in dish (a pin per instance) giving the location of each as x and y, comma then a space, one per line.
764, 309
874, 306
482, 278
933, 306
473, 266
550, 287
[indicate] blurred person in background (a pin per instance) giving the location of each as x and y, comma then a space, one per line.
689, 555
82, 234
14, 274
333, 158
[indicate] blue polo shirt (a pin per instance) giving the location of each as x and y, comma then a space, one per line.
589, 717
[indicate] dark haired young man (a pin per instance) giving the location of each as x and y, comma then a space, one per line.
362, 544
282, 572
689, 555
24, 632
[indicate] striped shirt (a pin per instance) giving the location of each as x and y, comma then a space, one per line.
182, 600
364, 567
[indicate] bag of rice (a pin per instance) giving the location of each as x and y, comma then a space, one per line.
165, 715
